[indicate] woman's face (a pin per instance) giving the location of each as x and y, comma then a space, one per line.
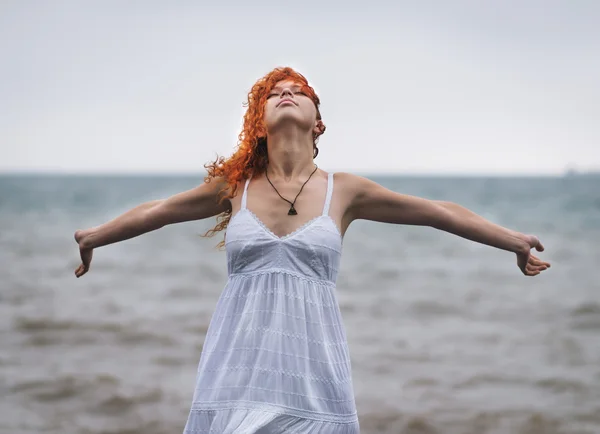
287, 103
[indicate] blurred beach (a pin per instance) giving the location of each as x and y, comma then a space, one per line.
446, 335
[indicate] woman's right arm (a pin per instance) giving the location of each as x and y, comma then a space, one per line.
195, 204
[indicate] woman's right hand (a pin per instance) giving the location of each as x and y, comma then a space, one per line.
85, 253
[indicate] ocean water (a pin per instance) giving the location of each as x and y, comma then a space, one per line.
446, 335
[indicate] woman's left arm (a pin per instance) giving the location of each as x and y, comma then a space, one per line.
372, 201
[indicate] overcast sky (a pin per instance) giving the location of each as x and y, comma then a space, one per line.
416, 86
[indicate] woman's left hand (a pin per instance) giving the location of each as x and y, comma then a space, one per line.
529, 264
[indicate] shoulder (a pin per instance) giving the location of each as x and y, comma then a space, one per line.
221, 188
351, 185
346, 177
351, 190
216, 184
366, 199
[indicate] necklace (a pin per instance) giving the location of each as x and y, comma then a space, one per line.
292, 210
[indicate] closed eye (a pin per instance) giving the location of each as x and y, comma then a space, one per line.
296, 92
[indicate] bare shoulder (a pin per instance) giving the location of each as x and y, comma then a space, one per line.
222, 191
349, 188
346, 180
367, 200
218, 186
212, 189
205, 200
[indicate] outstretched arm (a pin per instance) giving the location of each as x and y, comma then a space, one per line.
195, 204
372, 201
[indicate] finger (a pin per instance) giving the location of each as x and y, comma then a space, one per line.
533, 260
535, 268
538, 267
537, 261
81, 270
539, 247
531, 272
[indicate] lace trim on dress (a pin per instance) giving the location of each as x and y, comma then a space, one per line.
277, 409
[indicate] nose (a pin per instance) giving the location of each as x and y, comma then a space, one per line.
286, 92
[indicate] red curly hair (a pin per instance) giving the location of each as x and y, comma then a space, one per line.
251, 157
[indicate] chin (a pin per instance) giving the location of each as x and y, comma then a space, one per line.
288, 118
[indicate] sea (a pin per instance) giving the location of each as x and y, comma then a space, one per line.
445, 335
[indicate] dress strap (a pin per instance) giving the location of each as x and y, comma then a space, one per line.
245, 195
329, 193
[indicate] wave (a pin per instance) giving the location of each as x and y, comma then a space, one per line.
51, 331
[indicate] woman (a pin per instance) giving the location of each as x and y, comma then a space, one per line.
275, 357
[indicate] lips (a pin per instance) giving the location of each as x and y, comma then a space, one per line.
285, 100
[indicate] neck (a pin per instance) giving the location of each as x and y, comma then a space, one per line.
290, 156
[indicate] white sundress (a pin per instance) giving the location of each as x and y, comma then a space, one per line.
275, 358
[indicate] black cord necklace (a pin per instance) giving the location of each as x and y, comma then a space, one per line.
292, 210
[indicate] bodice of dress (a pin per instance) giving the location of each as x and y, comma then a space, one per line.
312, 251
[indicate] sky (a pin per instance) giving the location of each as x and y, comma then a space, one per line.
406, 87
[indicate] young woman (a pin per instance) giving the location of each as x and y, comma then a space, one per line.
275, 359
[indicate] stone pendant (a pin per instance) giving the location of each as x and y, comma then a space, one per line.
292, 211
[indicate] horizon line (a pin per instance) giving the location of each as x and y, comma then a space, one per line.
109, 173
